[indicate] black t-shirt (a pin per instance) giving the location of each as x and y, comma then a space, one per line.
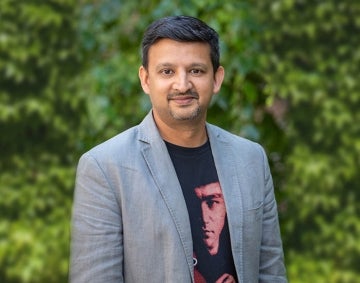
195, 169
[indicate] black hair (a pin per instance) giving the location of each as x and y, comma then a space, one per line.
183, 29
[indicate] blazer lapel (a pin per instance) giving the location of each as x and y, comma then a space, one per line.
227, 169
162, 170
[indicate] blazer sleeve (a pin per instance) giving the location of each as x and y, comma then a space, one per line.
272, 268
96, 253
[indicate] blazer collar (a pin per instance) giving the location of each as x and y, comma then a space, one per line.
226, 162
228, 166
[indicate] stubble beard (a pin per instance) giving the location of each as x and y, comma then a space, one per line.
185, 114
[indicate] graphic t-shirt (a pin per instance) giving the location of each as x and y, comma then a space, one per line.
195, 168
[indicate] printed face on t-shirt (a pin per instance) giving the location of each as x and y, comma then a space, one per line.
213, 214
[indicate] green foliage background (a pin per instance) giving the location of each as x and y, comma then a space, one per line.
68, 80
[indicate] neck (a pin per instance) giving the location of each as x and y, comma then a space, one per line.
183, 133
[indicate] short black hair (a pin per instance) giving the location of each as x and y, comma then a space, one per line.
183, 29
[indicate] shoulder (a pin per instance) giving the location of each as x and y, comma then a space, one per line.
228, 144
118, 146
128, 142
220, 135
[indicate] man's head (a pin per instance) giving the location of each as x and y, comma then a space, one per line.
180, 71
213, 215
182, 29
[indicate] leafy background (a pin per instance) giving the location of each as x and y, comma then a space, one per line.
68, 80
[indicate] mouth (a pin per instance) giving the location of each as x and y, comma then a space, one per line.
207, 234
183, 99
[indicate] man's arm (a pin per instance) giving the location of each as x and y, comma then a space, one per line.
96, 240
272, 268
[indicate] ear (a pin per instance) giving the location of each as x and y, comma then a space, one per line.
218, 79
144, 79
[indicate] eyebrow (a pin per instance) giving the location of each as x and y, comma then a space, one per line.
212, 196
204, 66
169, 65
163, 65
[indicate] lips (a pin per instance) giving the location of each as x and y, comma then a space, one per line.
183, 96
183, 99
207, 234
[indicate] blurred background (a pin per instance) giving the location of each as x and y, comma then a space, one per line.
68, 80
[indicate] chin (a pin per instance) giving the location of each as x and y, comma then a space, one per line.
181, 116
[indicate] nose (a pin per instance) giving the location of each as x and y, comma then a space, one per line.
182, 83
205, 214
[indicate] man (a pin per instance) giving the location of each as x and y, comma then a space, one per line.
211, 240
213, 213
136, 203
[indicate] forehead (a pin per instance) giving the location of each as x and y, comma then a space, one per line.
212, 189
171, 51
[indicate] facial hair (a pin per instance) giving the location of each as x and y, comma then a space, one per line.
194, 114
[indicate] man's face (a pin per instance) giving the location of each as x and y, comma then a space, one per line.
180, 80
213, 214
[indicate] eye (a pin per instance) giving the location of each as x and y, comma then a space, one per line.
210, 203
196, 72
166, 72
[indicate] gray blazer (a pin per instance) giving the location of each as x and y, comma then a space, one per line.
130, 221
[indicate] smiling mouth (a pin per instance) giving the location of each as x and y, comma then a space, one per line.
183, 99
185, 95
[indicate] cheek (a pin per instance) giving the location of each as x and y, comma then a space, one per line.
220, 212
205, 90
159, 87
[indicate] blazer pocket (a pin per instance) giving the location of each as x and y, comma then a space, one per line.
254, 214
253, 227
